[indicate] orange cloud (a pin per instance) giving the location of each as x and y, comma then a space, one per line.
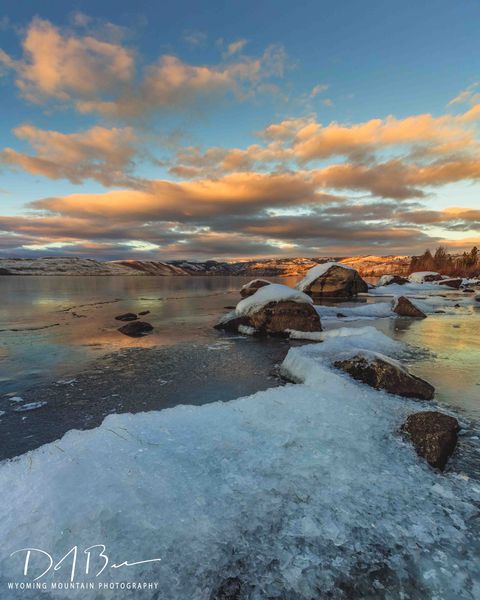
97, 153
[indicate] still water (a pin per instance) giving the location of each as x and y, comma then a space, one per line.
55, 325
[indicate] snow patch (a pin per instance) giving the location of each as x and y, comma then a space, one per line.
419, 277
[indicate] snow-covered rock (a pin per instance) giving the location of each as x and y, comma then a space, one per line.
424, 277
404, 307
392, 280
252, 286
274, 292
332, 280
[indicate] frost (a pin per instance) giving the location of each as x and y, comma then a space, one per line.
274, 292
318, 271
15, 399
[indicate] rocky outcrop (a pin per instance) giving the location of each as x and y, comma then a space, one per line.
252, 286
136, 329
403, 307
336, 281
380, 373
126, 317
277, 317
451, 283
434, 436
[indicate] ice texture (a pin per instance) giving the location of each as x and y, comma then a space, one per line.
302, 491
274, 292
318, 271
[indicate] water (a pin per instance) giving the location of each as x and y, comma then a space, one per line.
52, 326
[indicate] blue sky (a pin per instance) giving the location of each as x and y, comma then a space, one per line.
166, 107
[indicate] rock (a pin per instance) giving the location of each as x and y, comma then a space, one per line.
230, 589
277, 317
452, 283
231, 322
392, 279
456, 305
143, 313
383, 374
440, 312
403, 307
136, 328
341, 316
469, 291
434, 436
477, 298
252, 286
127, 317
336, 282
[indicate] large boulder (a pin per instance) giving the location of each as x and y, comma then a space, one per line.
434, 436
424, 277
136, 328
332, 280
252, 286
403, 307
273, 309
277, 317
381, 373
451, 283
392, 280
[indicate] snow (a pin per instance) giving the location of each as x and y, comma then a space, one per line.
295, 489
367, 310
419, 277
246, 330
29, 406
318, 271
274, 292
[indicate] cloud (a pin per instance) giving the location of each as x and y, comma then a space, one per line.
105, 155
62, 67
319, 89
195, 38
236, 46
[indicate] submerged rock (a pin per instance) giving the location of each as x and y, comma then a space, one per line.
403, 307
136, 328
143, 313
277, 317
230, 589
126, 317
434, 436
332, 280
252, 286
380, 373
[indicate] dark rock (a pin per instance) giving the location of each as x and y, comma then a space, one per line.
230, 589
231, 322
456, 306
341, 316
276, 317
440, 312
382, 374
452, 283
404, 308
251, 287
144, 312
469, 291
432, 277
127, 317
337, 282
136, 328
434, 436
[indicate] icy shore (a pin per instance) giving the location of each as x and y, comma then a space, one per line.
303, 491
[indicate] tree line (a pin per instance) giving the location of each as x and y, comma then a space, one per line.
465, 265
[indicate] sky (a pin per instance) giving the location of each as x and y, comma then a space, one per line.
238, 129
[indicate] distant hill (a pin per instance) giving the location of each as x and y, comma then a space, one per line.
366, 265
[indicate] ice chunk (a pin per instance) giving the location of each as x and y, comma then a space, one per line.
274, 292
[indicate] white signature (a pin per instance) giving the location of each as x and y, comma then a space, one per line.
73, 555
